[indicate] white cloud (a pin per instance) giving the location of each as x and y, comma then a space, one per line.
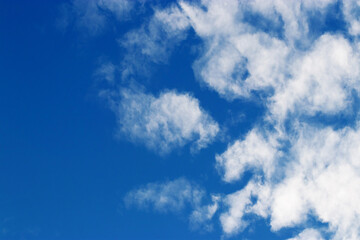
322, 79
242, 63
165, 122
218, 18
232, 221
201, 216
240, 58
252, 199
172, 18
321, 177
237, 60
324, 179
308, 234
351, 10
254, 152
171, 196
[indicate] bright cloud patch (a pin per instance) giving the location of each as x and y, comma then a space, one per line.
325, 179
253, 152
308, 234
165, 122
322, 79
237, 60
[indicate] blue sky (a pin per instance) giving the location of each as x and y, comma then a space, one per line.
179, 119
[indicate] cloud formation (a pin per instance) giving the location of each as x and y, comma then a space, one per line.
270, 51
163, 123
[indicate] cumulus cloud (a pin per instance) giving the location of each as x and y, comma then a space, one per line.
236, 59
254, 152
321, 178
239, 57
239, 204
322, 79
163, 123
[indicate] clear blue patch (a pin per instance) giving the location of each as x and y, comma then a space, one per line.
273, 27
330, 21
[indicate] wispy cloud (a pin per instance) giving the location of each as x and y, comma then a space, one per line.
107, 72
176, 196
153, 42
92, 15
171, 196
